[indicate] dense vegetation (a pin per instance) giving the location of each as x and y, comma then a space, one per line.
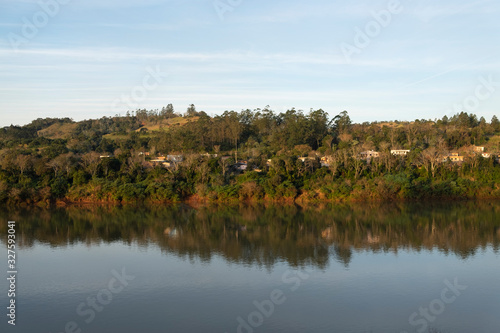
59, 159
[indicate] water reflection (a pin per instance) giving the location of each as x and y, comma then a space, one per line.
265, 235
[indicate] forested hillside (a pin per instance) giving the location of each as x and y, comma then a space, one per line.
161, 155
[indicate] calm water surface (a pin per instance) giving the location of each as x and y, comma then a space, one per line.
360, 268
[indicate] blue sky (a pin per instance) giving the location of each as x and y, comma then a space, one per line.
426, 59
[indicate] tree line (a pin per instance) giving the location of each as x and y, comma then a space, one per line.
105, 159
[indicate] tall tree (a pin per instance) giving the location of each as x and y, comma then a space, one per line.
168, 111
90, 162
23, 162
495, 123
191, 111
342, 122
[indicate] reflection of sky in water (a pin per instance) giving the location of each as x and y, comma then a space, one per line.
376, 292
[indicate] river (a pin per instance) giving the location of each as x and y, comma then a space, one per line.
412, 267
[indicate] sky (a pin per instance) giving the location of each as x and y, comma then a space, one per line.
379, 60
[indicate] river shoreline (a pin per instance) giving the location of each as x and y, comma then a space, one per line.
301, 200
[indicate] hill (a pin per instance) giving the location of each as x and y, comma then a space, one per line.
159, 155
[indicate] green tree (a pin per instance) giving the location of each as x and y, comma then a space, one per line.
342, 122
495, 123
168, 111
191, 111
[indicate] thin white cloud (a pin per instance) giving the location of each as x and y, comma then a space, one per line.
172, 26
430, 10
113, 55
294, 12
469, 67
103, 4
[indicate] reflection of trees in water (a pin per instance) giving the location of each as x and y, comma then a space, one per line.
266, 235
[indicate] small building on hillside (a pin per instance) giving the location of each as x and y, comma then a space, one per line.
454, 157
303, 159
175, 158
478, 149
158, 159
486, 155
209, 155
240, 166
400, 152
369, 154
325, 161
167, 161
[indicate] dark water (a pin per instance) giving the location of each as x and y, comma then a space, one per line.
361, 268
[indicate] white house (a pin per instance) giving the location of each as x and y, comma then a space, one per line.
175, 158
369, 154
400, 152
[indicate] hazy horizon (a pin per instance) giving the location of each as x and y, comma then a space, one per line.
212, 115
379, 60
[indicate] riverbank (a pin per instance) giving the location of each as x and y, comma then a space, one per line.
304, 199
255, 188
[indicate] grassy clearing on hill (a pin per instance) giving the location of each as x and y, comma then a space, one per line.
58, 131
166, 124
493, 142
